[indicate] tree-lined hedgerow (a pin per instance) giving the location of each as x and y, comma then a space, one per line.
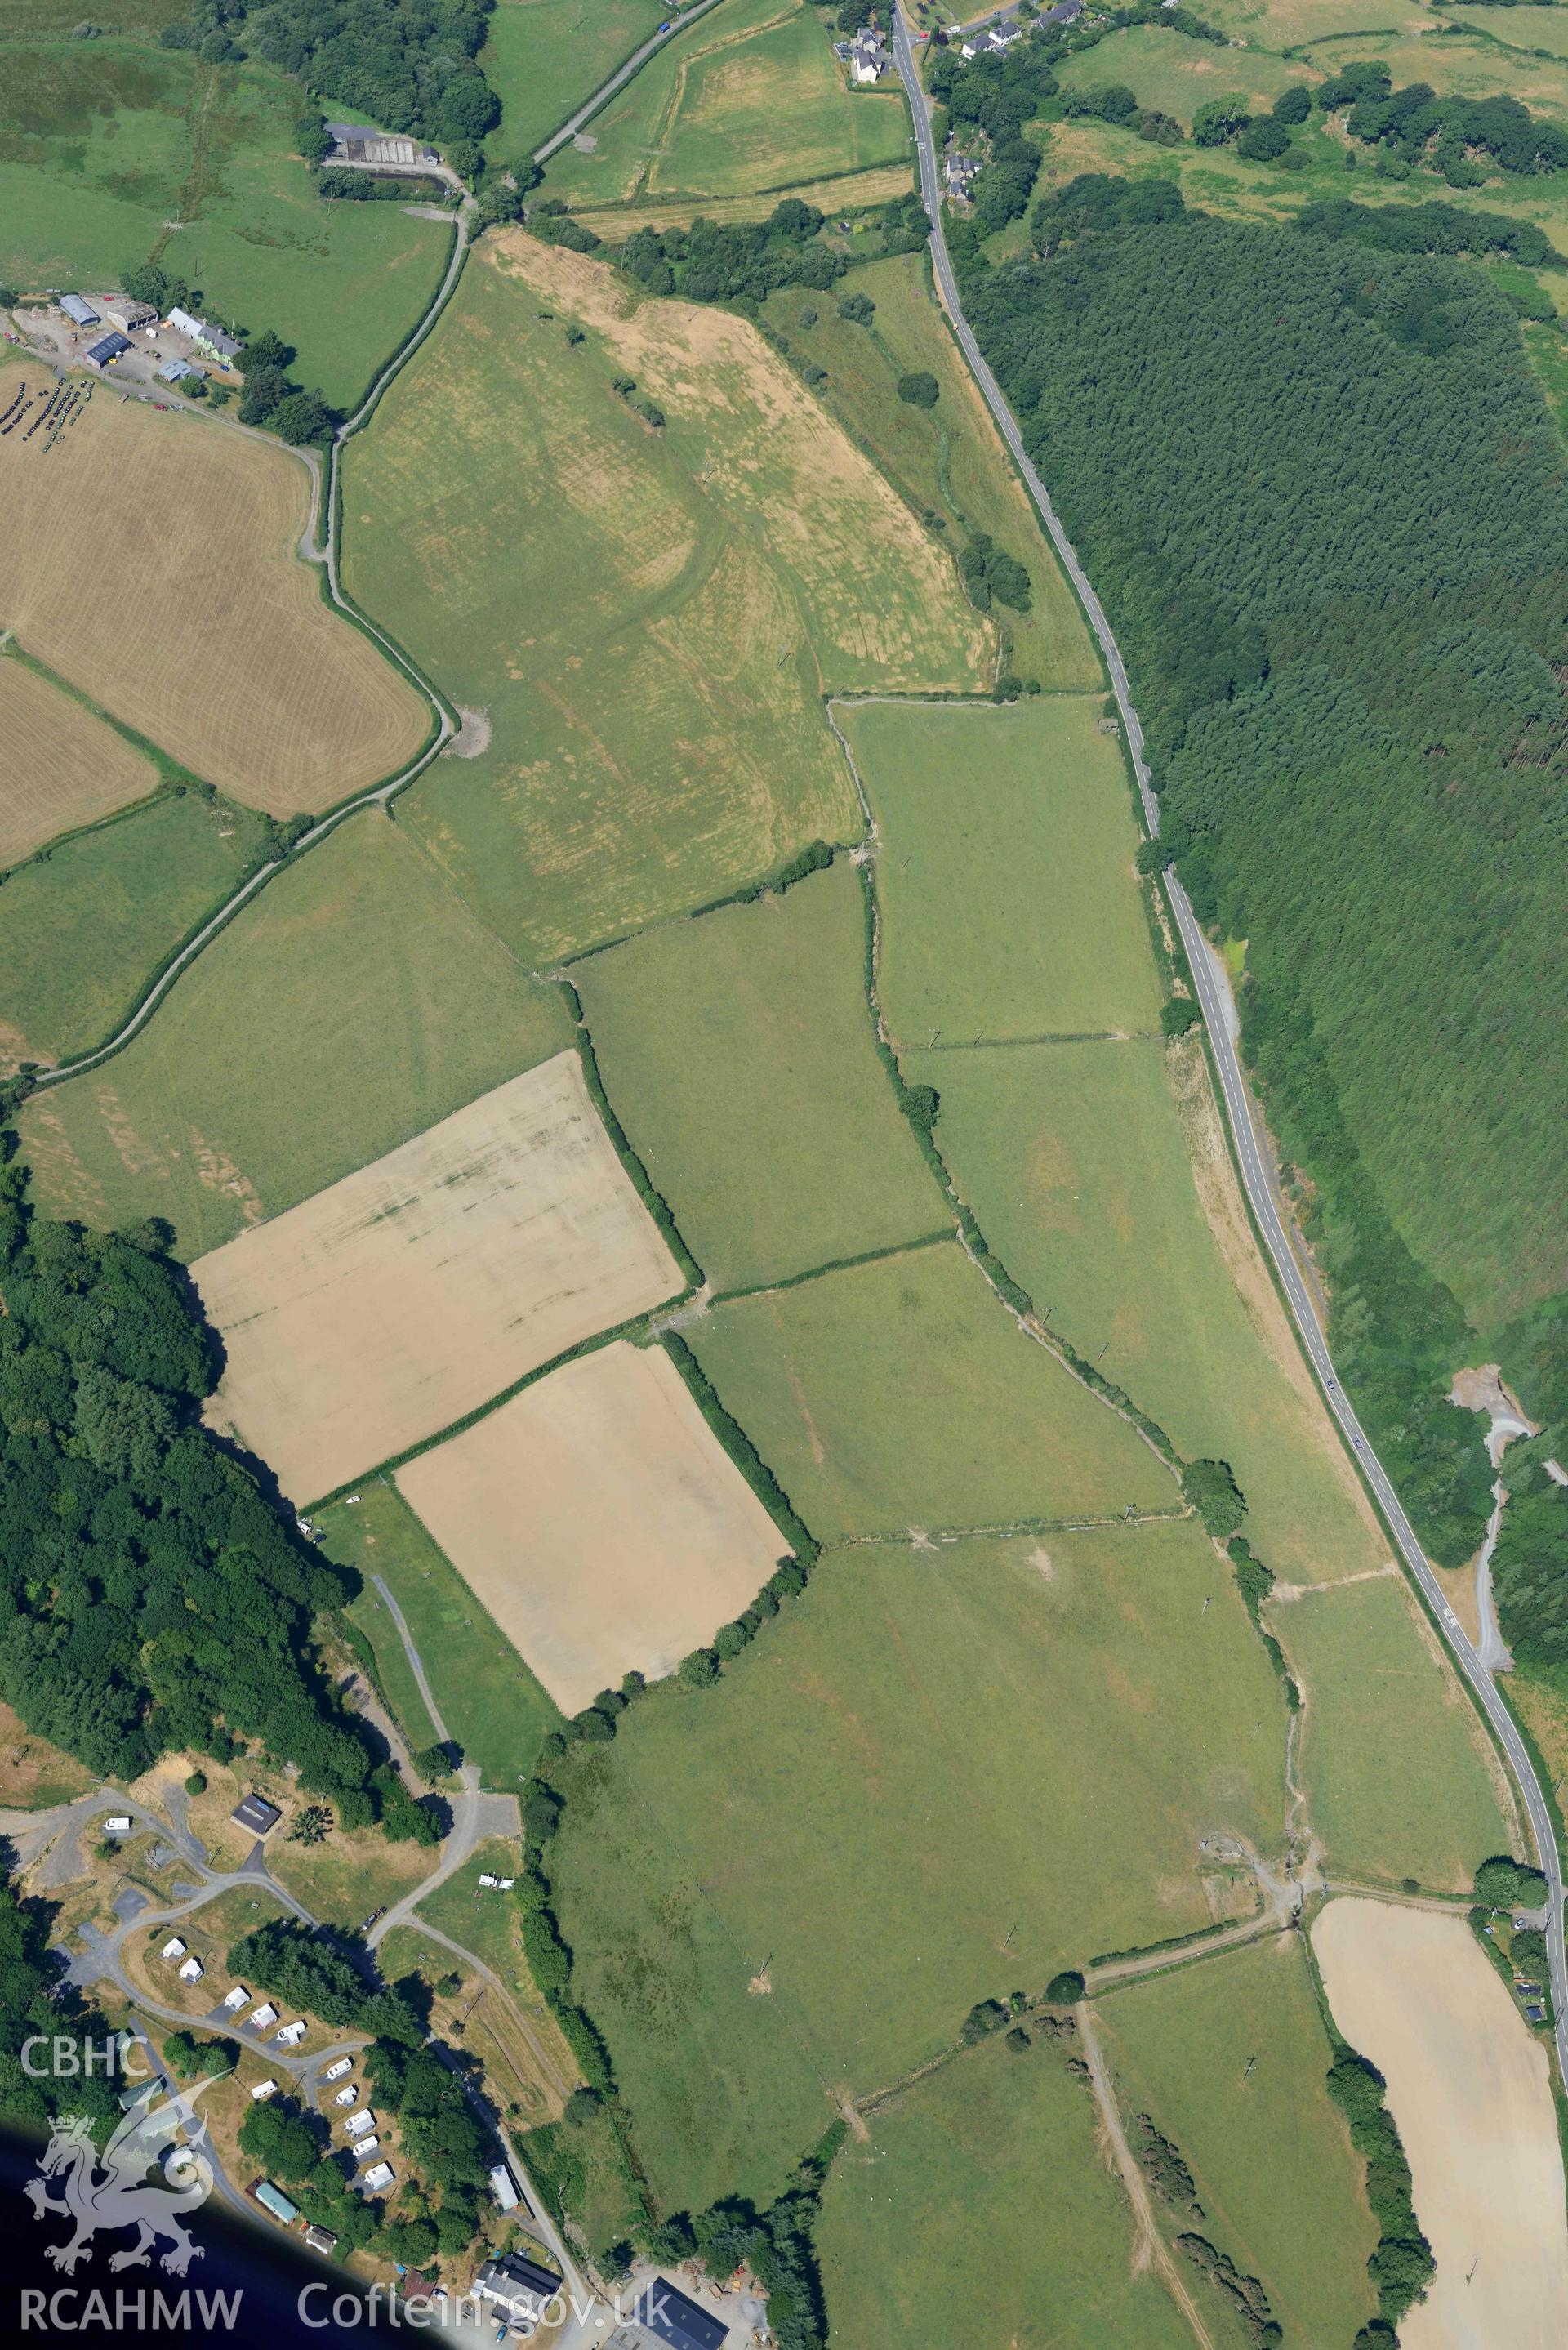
1401, 2265
1324, 506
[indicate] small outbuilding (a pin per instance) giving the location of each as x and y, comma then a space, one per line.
172, 1949
273, 2199
193, 1971
255, 1814
670, 2315
78, 310
106, 350
380, 2178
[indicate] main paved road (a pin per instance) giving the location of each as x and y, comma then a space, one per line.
1215, 1006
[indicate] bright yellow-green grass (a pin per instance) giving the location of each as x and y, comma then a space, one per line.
555, 563
1286, 24
353, 1003
982, 2199
1166, 71
544, 57
1520, 28
902, 1393
1227, 2059
947, 460
750, 98
84, 929
488, 1700
1397, 1782
1004, 872
103, 144
737, 1054
1078, 1160
934, 1776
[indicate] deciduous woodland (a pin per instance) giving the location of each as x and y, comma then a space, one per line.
1322, 497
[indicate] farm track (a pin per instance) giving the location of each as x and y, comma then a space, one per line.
1252, 1160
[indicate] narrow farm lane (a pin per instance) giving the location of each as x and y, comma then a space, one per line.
1218, 1014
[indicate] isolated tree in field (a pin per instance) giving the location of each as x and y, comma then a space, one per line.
1212, 1490
1065, 1989
919, 390
858, 308
1222, 119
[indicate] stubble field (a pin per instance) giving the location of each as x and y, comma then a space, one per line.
905, 1796
599, 1520
63, 767
151, 560
1470, 2093
407, 1295
353, 1003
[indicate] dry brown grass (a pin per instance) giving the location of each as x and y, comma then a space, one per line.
600, 1521
151, 559
849, 193
34, 1775
880, 597
1471, 2093
60, 767
387, 1306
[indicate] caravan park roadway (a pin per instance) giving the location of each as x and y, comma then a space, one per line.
1218, 1021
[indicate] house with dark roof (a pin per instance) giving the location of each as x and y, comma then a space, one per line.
106, 350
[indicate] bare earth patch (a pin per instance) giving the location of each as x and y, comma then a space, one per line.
599, 1519
471, 737
387, 1305
1471, 2093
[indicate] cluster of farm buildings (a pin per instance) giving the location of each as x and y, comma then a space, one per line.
179, 339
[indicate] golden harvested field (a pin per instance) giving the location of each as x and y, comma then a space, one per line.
151, 559
879, 595
387, 1306
1471, 2093
599, 1519
59, 766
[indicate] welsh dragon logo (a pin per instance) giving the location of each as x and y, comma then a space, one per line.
113, 2190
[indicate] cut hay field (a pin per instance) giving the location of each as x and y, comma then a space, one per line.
63, 767
1166, 70
902, 1393
600, 1521
487, 1698
544, 57
103, 144
909, 1793
1100, 1175
609, 596
213, 642
86, 926
737, 1054
354, 1003
948, 460
408, 1293
1227, 2059
1005, 873
985, 2190
750, 98
1470, 2093
1286, 24
1399, 1781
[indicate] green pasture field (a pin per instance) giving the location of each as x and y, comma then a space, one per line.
489, 1700
103, 143
737, 1053
902, 1393
482, 1918
1524, 28
1287, 23
932, 1778
352, 1003
946, 460
985, 2190
1477, 66
1227, 2059
1397, 1782
86, 925
750, 98
1005, 872
610, 595
1078, 1160
544, 57
1165, 70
